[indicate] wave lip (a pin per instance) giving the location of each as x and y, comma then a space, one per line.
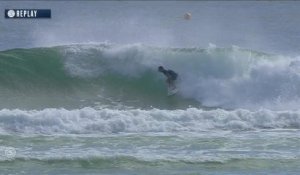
216, 77
108, 121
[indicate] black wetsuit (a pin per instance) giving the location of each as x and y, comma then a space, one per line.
170, 74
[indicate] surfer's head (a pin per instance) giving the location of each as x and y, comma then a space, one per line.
160, 68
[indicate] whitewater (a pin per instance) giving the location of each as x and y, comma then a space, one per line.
91, 105
210, 77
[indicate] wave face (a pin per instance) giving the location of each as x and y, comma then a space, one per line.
104, 74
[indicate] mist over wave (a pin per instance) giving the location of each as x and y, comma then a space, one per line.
228, 77
216, 77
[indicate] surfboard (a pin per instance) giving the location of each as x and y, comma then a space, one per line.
172, 91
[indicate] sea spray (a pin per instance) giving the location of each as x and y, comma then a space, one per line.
215, 77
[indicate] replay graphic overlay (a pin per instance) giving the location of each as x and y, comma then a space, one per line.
27, 13
7, 152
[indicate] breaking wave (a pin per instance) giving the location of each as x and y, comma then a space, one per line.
215, 77
107, 121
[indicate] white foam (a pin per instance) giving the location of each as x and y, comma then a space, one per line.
91, 121
231, 78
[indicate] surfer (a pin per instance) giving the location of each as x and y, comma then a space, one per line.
171, 76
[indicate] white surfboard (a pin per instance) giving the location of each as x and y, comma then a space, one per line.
172, 91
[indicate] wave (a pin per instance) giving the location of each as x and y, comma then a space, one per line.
121, 160
108, 121
131, 165
82, 75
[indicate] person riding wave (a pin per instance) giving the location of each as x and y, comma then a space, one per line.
171, 76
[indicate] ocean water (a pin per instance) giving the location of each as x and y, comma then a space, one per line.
80, 92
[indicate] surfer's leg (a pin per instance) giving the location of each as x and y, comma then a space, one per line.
167, 81
172, 84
